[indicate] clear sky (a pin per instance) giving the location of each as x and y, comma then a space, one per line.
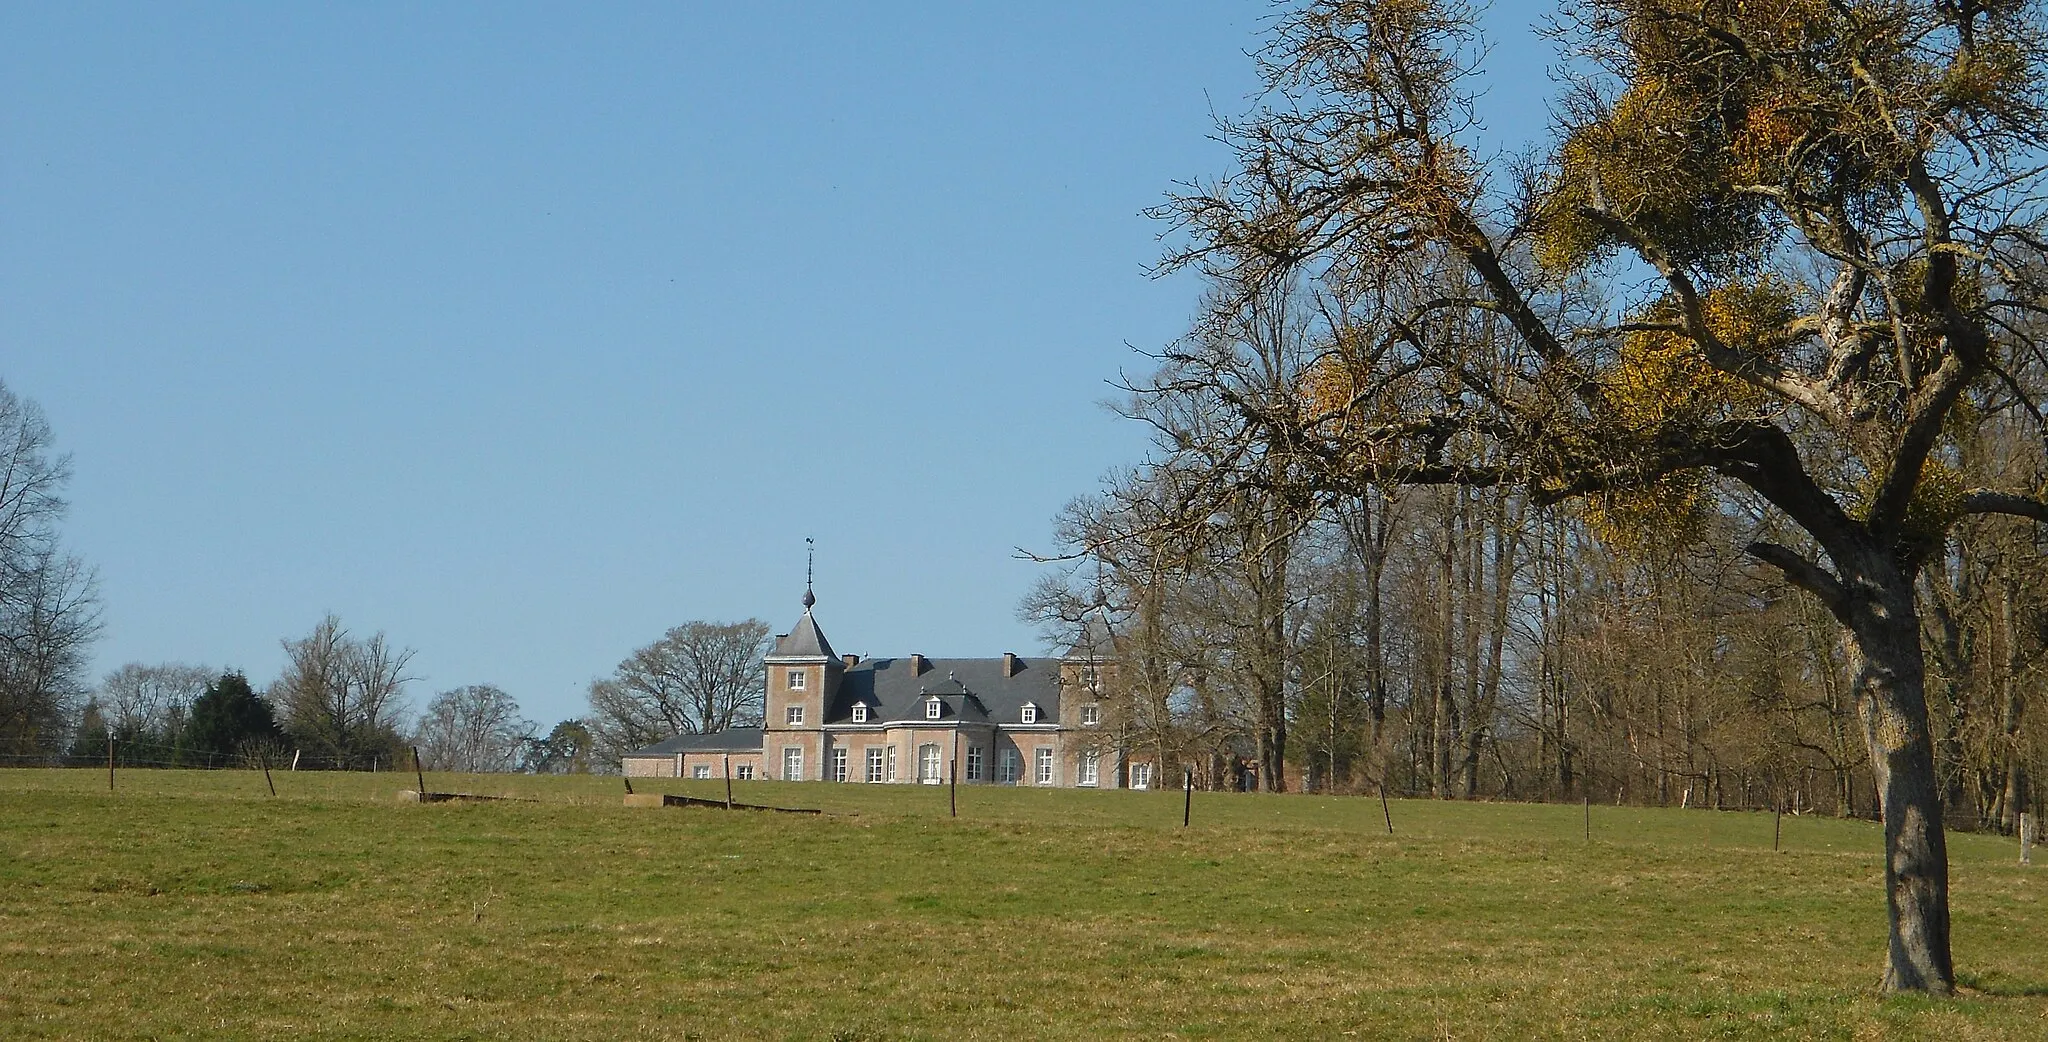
524, 332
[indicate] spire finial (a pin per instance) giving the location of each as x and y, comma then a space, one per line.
810, 564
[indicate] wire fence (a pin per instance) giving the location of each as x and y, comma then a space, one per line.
197, 760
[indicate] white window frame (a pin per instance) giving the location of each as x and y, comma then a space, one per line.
1141, 776
1044, 772
889, 763
744, 772
860, 712
795, 680
934, 709
1089, 771
974, 763
794, 715
1091, 714
930, 766
839, 764
1030, 713
874, 765
700, 772
792, 763
1009, 767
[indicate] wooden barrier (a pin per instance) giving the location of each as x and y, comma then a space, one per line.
670, 799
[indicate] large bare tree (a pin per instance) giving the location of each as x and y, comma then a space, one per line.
49, 608
1775, 251
341, 696
698, 678
475, 728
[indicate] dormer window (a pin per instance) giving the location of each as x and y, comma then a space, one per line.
796, 680
860, 712
1030, 713
933, 708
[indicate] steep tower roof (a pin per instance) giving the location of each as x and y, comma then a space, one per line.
1095, 640
805, 639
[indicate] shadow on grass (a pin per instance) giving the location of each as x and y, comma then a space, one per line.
1999, 985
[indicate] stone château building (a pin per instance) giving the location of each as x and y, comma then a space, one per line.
829, 717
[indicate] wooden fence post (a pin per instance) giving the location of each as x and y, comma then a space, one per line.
419, 773
728, 780
110, 763
1187, 806
295, 759
1777, 827
265, 761
1589, 817
953, 777
1385, 811
2026, 838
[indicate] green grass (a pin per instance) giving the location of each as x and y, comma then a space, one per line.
193, 905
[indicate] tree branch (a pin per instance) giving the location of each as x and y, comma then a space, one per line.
1989, 501
1802, 573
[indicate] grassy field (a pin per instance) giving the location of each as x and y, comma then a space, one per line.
195, 905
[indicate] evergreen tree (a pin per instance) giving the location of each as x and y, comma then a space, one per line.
225, 718
89, 743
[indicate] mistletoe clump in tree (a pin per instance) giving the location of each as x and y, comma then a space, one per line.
1835, 205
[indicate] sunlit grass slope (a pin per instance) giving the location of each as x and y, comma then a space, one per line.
195, 905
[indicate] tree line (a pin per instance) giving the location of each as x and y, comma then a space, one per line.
1696, 451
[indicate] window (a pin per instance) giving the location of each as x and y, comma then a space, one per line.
933, 708
796, 716
745, 772
928, 764
1141, 776
1089, 676
839, 765
1091, 714
1030, 713
874, 764
974, 763
888, 763
1006, 767
1045, 765
796, 680
1091, 770
701, 772
792, 764
860, 712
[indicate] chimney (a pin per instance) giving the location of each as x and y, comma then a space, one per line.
850, 660
1009, 664
917, 665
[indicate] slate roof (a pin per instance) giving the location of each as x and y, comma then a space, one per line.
804, 640
732, 740
973, 689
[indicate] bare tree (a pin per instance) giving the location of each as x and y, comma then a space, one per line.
145, 707
49, 606
341, 697
475, 729
699, 677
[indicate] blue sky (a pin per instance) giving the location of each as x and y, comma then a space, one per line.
525, 332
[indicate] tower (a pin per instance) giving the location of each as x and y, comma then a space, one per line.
803, 677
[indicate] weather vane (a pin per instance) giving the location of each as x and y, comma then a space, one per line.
810, 564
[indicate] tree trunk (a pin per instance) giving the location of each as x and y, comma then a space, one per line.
1890, 683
